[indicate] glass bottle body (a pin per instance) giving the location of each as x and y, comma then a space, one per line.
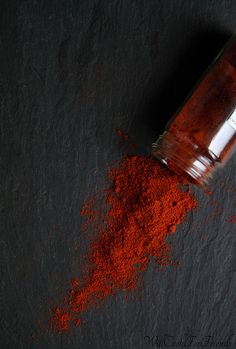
200, 137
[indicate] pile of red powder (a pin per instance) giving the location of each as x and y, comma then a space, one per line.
144, 203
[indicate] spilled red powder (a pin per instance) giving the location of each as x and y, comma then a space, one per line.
232, 218
125, 137
89, 212
61, 319
144, 203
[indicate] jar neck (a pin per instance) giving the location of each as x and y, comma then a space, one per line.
185, 158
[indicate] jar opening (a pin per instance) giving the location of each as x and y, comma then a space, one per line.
185, 158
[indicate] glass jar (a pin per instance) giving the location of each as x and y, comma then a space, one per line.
201, 136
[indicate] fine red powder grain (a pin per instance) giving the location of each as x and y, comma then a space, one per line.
143, 205
232, 218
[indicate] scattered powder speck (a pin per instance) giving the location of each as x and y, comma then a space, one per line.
232, 218
125, 137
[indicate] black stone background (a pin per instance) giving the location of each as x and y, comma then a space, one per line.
70, 73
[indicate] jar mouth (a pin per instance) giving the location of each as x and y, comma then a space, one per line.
185, 158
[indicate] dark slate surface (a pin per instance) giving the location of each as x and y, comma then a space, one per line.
70, 73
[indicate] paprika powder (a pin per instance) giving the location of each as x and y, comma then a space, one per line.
202, 134
144, 203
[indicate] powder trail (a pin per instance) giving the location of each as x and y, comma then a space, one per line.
144, 204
